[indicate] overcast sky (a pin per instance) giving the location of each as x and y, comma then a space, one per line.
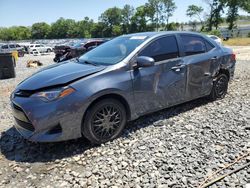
27, 12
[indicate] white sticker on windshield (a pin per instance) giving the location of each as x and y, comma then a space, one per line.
138, 37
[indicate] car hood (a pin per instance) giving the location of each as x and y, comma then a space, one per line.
58, 74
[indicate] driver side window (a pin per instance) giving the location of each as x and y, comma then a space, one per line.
162, 49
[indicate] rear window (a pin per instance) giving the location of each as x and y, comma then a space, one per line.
209, 45
193, 44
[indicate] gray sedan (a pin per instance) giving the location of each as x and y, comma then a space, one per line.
130, 76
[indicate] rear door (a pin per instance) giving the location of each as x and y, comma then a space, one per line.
200, 57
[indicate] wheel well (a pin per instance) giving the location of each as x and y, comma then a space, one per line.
112, 96
224, 71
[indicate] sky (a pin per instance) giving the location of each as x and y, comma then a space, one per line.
27, 12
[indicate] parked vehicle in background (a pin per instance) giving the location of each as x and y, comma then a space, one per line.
8, 48
215, 38
130, 76
41, 48
71, 50
25, 45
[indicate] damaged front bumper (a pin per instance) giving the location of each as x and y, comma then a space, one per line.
38, 121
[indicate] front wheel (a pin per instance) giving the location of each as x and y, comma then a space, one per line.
220, 87
104, 121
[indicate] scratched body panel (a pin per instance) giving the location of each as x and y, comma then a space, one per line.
173, 78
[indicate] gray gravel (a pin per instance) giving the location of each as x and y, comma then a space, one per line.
176, 147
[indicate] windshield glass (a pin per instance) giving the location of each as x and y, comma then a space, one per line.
114, 51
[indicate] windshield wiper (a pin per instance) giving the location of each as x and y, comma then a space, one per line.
90, 63
86, 62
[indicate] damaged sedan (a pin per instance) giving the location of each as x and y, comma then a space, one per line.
130, 76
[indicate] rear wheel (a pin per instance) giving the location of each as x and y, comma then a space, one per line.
220, 87
104, 121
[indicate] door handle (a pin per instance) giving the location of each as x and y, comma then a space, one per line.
178, 68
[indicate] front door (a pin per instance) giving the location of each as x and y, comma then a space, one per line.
164, 83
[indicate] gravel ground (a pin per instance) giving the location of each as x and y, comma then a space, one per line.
176, 147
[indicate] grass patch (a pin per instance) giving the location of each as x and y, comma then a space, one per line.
237, 42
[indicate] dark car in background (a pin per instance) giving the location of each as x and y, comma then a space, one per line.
119, 81
71, 50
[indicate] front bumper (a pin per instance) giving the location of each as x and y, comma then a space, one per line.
39, 121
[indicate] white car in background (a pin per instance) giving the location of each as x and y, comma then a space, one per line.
40, 48
216, 39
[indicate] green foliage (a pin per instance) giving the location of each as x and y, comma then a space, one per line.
195, 12
139, 21
15, 33
233, 9
111, 17
153, 15
63, 28
40, 30
159, 11
232, 14
248, 34
173, 26
127, 13
216, 9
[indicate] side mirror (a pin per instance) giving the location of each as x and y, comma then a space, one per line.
144, 61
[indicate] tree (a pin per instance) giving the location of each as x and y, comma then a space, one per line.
15, 33
233, 9
219, 5
245, 5
116, 30
111, 17
84, 28
194, 11
169, 9
64, 28
40, 30
127, 13
216, 8
98, 30
159, 11
139, 20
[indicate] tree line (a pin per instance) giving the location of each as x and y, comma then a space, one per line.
152, 16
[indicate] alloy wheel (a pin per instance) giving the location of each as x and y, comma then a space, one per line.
106, 121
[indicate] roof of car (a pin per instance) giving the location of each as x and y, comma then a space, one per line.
153, 34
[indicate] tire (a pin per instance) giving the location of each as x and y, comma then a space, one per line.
49, 50
97, 127
20, 54
220, 87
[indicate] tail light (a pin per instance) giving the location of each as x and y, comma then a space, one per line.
234, 56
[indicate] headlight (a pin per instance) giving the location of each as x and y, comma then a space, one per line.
54, 94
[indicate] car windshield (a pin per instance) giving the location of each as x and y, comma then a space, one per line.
114, 51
